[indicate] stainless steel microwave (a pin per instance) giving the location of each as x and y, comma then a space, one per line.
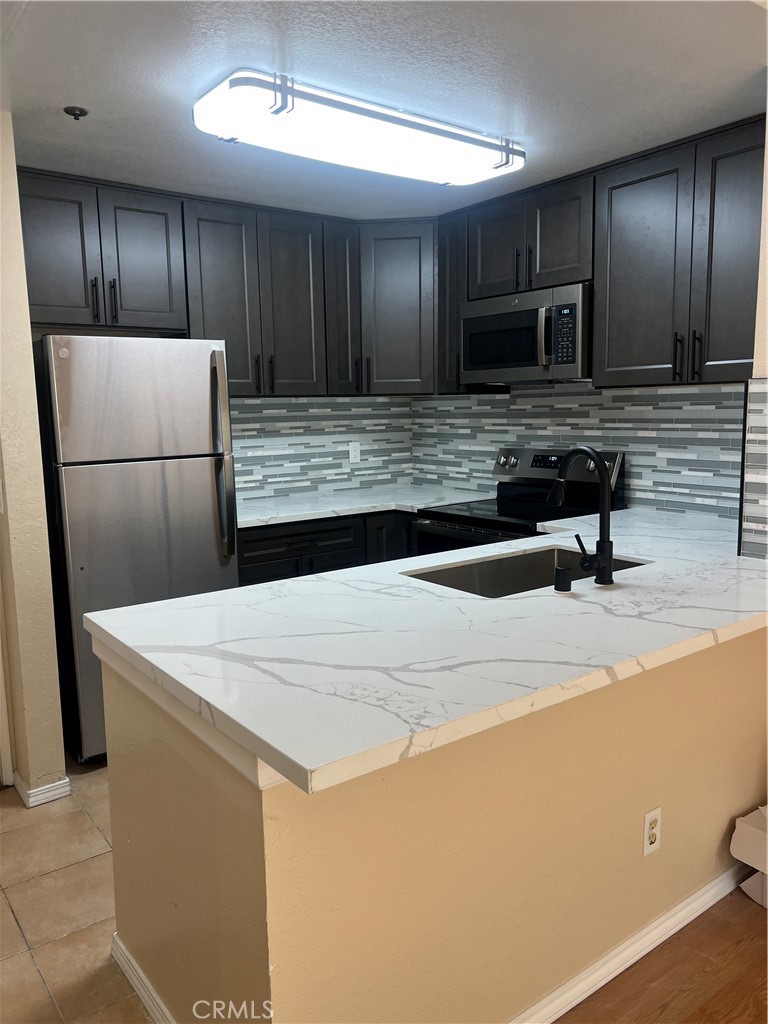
534, 336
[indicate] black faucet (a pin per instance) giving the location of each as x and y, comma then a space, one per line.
601, 563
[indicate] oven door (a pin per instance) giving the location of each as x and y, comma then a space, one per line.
431, 537
506, 340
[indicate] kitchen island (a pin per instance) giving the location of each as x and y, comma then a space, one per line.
277, 838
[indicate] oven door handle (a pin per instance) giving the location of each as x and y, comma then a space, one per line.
442, 530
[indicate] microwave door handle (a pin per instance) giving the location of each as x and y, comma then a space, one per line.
544, 351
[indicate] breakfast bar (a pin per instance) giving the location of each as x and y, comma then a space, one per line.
279, 840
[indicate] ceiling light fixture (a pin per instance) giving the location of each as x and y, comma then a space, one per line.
274, 112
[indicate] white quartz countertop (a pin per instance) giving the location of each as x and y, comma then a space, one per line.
293, 508
328, 677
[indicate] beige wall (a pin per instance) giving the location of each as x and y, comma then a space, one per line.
467, 884
188, 855
28, 630
462, 885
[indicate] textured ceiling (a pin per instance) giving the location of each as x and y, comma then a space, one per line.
576, 83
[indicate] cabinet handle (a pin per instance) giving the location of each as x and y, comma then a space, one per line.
257, 365
113, 298
517, 270
529, 267
358, 376
677, 357
368, 373
96, 304
272, 374
696, 341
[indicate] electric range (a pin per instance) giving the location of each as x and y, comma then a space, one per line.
524, 477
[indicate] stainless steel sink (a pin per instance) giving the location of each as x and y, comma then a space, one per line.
502, 575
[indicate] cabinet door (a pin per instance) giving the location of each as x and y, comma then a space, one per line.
292, 313
223, 287
451, 292
643, 213
495, 248
558, 231
62, 251
143, 255
397, 263
388, 535
341, 243
726, 254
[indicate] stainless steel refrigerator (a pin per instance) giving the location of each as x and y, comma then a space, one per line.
141, 491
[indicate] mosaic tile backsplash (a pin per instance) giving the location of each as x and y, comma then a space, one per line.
297, 445
683, 444
754, 525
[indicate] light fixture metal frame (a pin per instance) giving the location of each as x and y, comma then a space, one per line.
286, 91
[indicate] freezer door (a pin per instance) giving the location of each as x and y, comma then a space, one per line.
137, 532
137, 398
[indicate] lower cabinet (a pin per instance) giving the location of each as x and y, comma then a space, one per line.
300, 549
388, 536
268, 553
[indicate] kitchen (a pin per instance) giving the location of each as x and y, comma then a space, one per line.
312, 391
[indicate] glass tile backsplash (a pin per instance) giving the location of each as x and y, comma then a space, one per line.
683, 444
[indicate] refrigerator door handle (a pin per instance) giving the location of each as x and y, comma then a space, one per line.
225, 500
222, 431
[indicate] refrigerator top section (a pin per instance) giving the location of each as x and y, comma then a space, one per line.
137, 398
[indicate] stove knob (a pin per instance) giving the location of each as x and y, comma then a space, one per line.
502, 460
512, 461
591, 467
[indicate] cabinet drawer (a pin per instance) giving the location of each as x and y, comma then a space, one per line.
264, 572
327, 561
269, 543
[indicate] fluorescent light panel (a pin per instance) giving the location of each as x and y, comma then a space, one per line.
337, 129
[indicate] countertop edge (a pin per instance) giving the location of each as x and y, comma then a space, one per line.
313, 780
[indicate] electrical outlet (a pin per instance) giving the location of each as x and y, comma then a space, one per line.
354, 452
652, 831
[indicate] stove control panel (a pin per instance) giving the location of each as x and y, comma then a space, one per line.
544, 464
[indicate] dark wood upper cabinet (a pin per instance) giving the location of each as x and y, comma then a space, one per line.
726, 252
397, 265
643, 217
292, 303
62, 250
223, 287
341, 243
142, 252
451, 292
558, 233
496, 248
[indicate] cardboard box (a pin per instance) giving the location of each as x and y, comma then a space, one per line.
750, 845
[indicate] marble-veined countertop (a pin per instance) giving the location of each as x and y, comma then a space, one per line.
328, 677
253, 510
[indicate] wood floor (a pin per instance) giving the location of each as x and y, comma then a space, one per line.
713, 971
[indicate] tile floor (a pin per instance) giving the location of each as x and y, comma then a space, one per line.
57, 910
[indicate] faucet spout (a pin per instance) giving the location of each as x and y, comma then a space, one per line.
601, 563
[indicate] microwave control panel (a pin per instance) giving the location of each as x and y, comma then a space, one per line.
564, 339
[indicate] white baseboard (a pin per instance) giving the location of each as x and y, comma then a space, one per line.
153, 1004
41, 794
597, 974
